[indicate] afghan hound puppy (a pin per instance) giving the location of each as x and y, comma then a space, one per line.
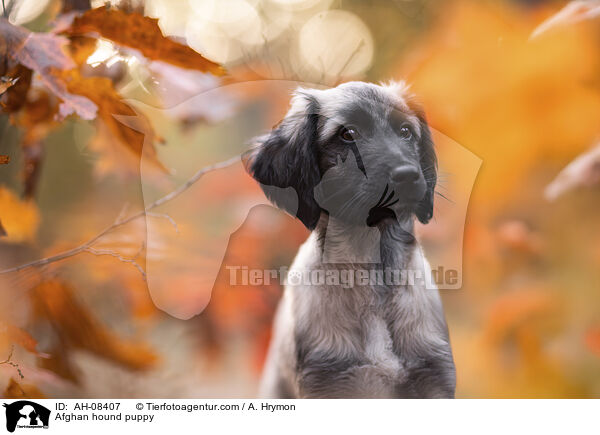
359, 316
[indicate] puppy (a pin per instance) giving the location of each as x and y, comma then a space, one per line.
356, 164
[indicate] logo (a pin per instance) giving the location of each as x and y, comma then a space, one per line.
26, 414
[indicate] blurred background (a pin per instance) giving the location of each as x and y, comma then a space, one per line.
148, 309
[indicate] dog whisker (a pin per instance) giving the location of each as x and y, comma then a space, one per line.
390, 196
382, 196
392, 203
444, 196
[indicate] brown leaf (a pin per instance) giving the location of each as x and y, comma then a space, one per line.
78, 328
42, 53
5, 83
14, 97
81, 47
37, 117
143, 34
131, 129
14, 390
113, 66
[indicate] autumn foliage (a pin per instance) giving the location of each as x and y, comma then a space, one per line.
45, 80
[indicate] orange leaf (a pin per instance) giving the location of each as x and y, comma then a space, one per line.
81, 47
143, 34
37, 117
20, 219
20, 337
23, 338
4, 159
14, 390
79, 328
130, 128
526, 306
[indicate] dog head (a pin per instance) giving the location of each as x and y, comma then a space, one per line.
361, 152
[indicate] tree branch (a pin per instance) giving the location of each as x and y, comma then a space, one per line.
121, 221
11, 363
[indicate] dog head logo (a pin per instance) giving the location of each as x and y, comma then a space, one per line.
26, 414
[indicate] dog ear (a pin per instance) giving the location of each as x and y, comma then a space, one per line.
287, 157
428, 162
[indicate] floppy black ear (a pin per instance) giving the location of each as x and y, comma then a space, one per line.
287, 157
428, 162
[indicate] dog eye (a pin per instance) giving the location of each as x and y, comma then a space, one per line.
406, 132
348, 134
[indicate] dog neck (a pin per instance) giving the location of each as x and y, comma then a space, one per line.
389, 244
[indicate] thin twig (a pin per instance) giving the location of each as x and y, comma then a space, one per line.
354, 53
11, 363
119, 257
120, 221
167, 217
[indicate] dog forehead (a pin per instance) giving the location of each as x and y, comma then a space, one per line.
392, 94
372, 98
354, 101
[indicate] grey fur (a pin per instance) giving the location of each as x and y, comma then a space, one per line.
377, 340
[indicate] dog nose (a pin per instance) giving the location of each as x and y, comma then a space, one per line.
405, 174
